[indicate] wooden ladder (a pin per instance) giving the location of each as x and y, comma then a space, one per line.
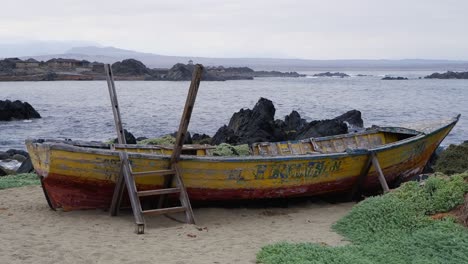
127, 176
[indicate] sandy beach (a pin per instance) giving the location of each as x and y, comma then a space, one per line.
32, 233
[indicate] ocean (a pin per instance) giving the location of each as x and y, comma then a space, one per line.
81, 110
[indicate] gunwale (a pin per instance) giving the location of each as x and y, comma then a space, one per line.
57, 145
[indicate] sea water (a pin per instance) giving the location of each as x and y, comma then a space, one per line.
82, 110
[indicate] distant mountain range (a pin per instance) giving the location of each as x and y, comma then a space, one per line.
111, 55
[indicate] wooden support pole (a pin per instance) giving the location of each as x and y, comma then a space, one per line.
358, 186
183, 127
187, 114
383, 182
115, 104
134, 200
119, 183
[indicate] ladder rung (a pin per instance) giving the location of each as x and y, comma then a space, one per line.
165, 210
158, 192
158, 172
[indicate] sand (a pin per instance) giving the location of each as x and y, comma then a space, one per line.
32, 233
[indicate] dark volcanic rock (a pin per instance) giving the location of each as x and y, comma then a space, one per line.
249, 126
331, 74
294, 121
4, 155
13, 152
129, 138
26, 166
19, 157
187, 139
323, 128
201, 139
130, 67
291, 124
448, 75
180, 72
258, 125
352, 118
3, 171
330, 127
16, 110
390, 78
225, 135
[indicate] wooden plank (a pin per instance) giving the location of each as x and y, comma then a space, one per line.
383, 182
184, 199
153, 173
119, 185
358, 185
158, 192
183, 126
115, 104
187, 114
132, 190
161, 211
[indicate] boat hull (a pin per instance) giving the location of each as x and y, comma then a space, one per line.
83, 178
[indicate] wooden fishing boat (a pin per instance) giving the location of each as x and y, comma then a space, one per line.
80, 175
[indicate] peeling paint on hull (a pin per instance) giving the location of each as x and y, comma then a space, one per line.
83, 178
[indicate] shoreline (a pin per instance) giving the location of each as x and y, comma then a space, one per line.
40, 235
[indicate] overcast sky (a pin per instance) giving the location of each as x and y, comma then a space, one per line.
325, 29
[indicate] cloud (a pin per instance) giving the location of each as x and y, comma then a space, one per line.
296, 28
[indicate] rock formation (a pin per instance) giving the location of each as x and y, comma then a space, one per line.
331, 74
249, 126
129, 138
130, 67
16, 110
258, 125
14, 69
448, 75
391, 78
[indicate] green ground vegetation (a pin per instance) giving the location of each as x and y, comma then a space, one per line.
453, 160
392, 228
19, 180
164, 140
225, 149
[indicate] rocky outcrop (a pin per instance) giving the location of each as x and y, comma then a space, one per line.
17, 110
391, 78
352, 118
201, 139
14, 69
322, 128
187, 139
258, 125
291, 125
180, 72
130, 67
448, 75
15, 161
331, 74
249, 126
129, 138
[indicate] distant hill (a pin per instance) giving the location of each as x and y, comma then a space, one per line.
111, 55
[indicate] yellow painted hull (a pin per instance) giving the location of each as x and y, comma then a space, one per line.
77, 177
